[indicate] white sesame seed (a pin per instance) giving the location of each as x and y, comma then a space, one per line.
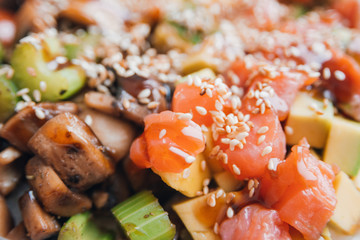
185, 116
339, 75
31, 71
216, 228
39, 113
228, 129
9, 154
197, 81
206, 182
224, 158
261, 139
258, 102
206, 190
88, 120
203, 165
263, 130
289, 130
218, 105
314, 74
37, 95
201, 110
246, 118
145, 93
262, 108
326, 73
251, 184
230, 212
236, 169
209, 92
272, 165
144, 100
233, 143
266, 151
126, 103
211, 200
215, 150
220, 193
26, 98
22, 91
225, 140
43, 86
162, 133
251, 192
190, 159
190, 80
186, 173
153, 105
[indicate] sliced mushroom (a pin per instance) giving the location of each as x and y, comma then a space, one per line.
18, 233
69, 146
22, 126
52, 192
5, 218
39, 224
10, 175
114, 133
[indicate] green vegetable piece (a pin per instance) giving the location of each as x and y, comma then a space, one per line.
143, 218
77, 48
31, 67
8, 98
191, 36
81, 227
2, 53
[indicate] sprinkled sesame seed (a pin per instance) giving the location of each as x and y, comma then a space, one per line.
39, 113
233, 143
209, 92
186, 173
43, 86
215, 150
145, 93
185, 116
206, 190
251, 184
201, 110
230, 197
218, 105
22, 91
236, 169
153, 105
289, 130
326, 73
88, 120
162, 133
225, 140
314, 74
189, 80
262, 108
126, 103
10, 73
190, 159
230, 212
9, 154
37, 95
261, 139
258, 102
211, 200
252, 192
266, 151
263, 130
203, 165
26, 98
220, 193
339, 75
216, 228
272, 165
144, 100
31, 71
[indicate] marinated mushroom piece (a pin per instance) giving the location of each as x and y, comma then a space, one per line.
38, 223
18, 233
52, 192
5, 218
10, 175
38, 60
69, 146
114, 133
22, 126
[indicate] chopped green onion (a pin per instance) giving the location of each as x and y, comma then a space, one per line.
143, 218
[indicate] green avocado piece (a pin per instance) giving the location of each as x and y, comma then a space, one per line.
343, 145
304, 121
81, 227
8, 98
31, 67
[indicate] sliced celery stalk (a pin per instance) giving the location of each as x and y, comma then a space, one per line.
143, 218
81, 227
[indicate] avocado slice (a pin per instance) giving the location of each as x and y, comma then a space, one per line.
82, 227
347, 212
343, 145
8, 98
227, 181
304, 121
187, 183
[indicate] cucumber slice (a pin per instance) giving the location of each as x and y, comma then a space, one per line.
8, 98
143, 218
81, 227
